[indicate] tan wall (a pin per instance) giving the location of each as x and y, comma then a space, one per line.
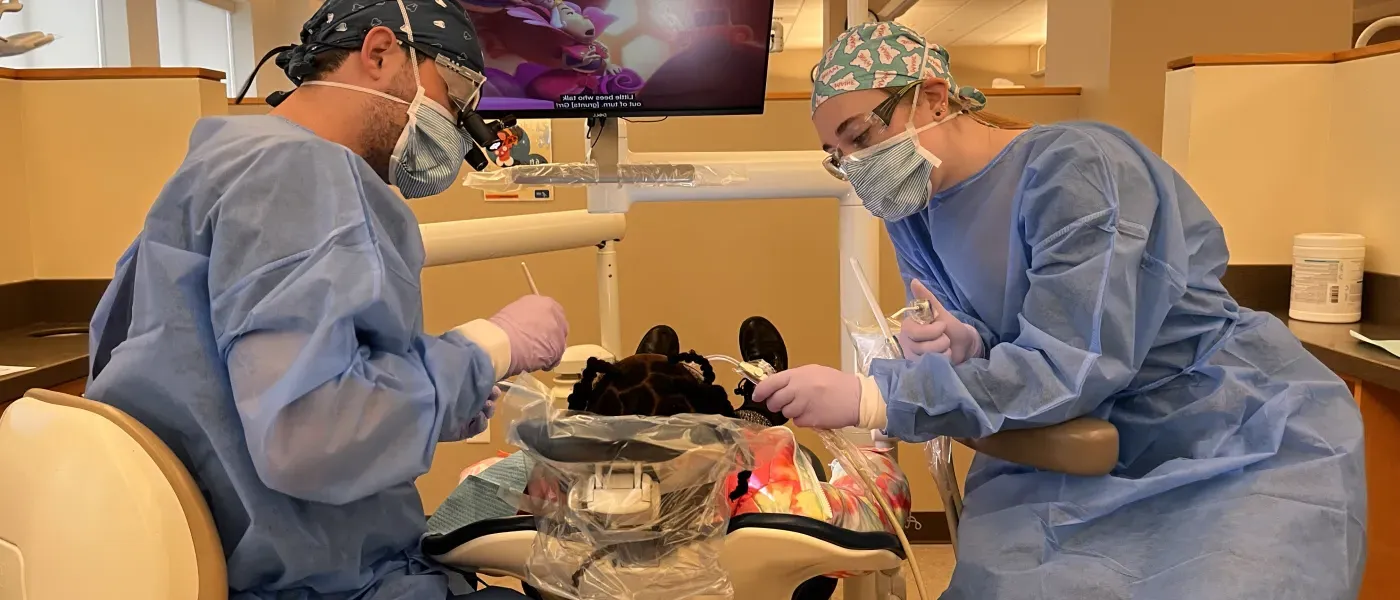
276, 23
16, 254
1125, 85
1329, 171
1037, 109
128, 144
1258, 180
143, 33
977, 66
1364, 149
790, 71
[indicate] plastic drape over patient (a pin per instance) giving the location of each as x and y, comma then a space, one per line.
267, 325
1092, 272
781, 477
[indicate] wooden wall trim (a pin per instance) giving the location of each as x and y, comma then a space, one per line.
111, 73
1286, 58
776, 96
788, 96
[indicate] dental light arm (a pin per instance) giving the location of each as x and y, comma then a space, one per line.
453, 242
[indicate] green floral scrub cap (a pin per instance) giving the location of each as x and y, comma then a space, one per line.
881, 55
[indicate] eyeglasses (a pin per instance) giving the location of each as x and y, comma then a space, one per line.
873, 124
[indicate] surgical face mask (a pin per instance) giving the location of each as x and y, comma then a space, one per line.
892, 177
428, 155
430, 151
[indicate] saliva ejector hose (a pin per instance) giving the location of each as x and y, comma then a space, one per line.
850, 457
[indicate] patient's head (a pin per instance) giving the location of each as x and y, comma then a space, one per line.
650, 385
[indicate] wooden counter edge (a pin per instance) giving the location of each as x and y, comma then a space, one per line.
111, 73
1284, 58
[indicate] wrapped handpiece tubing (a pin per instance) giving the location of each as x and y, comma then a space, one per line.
853, 462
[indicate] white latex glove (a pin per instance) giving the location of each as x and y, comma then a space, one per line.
946, 335
23, 42
823, 398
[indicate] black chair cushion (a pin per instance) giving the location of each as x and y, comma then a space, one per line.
826, 532
440, 544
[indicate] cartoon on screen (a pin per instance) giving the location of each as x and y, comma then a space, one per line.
528, 142
622, 55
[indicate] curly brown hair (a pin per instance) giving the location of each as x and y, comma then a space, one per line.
650, 385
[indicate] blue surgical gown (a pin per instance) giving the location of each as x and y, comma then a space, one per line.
267, 325
1092, 272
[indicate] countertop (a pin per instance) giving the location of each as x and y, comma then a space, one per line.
57, 351
1334, 346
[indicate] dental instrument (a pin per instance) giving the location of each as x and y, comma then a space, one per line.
921, 310
754, 371
534, 289
874, 305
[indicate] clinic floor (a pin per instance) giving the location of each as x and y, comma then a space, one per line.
935, 561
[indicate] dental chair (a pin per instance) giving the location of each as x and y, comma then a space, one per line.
770, 556
94, 505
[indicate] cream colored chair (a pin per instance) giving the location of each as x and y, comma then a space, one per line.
94, 505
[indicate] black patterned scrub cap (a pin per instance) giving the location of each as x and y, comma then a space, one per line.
441, 29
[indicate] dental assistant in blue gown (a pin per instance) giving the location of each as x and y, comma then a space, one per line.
267, 323
1075, 273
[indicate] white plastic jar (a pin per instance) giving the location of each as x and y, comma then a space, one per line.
1327, 273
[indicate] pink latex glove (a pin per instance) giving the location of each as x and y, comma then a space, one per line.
537, 331
946, 335
813, 396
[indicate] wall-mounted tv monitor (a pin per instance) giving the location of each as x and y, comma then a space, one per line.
622, 58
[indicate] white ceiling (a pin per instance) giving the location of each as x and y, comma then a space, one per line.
947, 22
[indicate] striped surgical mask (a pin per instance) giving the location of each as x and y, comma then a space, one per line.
892, 177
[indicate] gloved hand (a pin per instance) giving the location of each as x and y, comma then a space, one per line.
481, 421
946, 335
537, 331
818, 397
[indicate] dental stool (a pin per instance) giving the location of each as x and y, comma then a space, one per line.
94, 505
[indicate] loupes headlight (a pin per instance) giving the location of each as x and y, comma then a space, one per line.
463, 84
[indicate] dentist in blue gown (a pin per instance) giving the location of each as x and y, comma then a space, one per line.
1075, 273
267, 322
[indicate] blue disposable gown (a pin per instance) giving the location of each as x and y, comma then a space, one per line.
267, 325
1092, 272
